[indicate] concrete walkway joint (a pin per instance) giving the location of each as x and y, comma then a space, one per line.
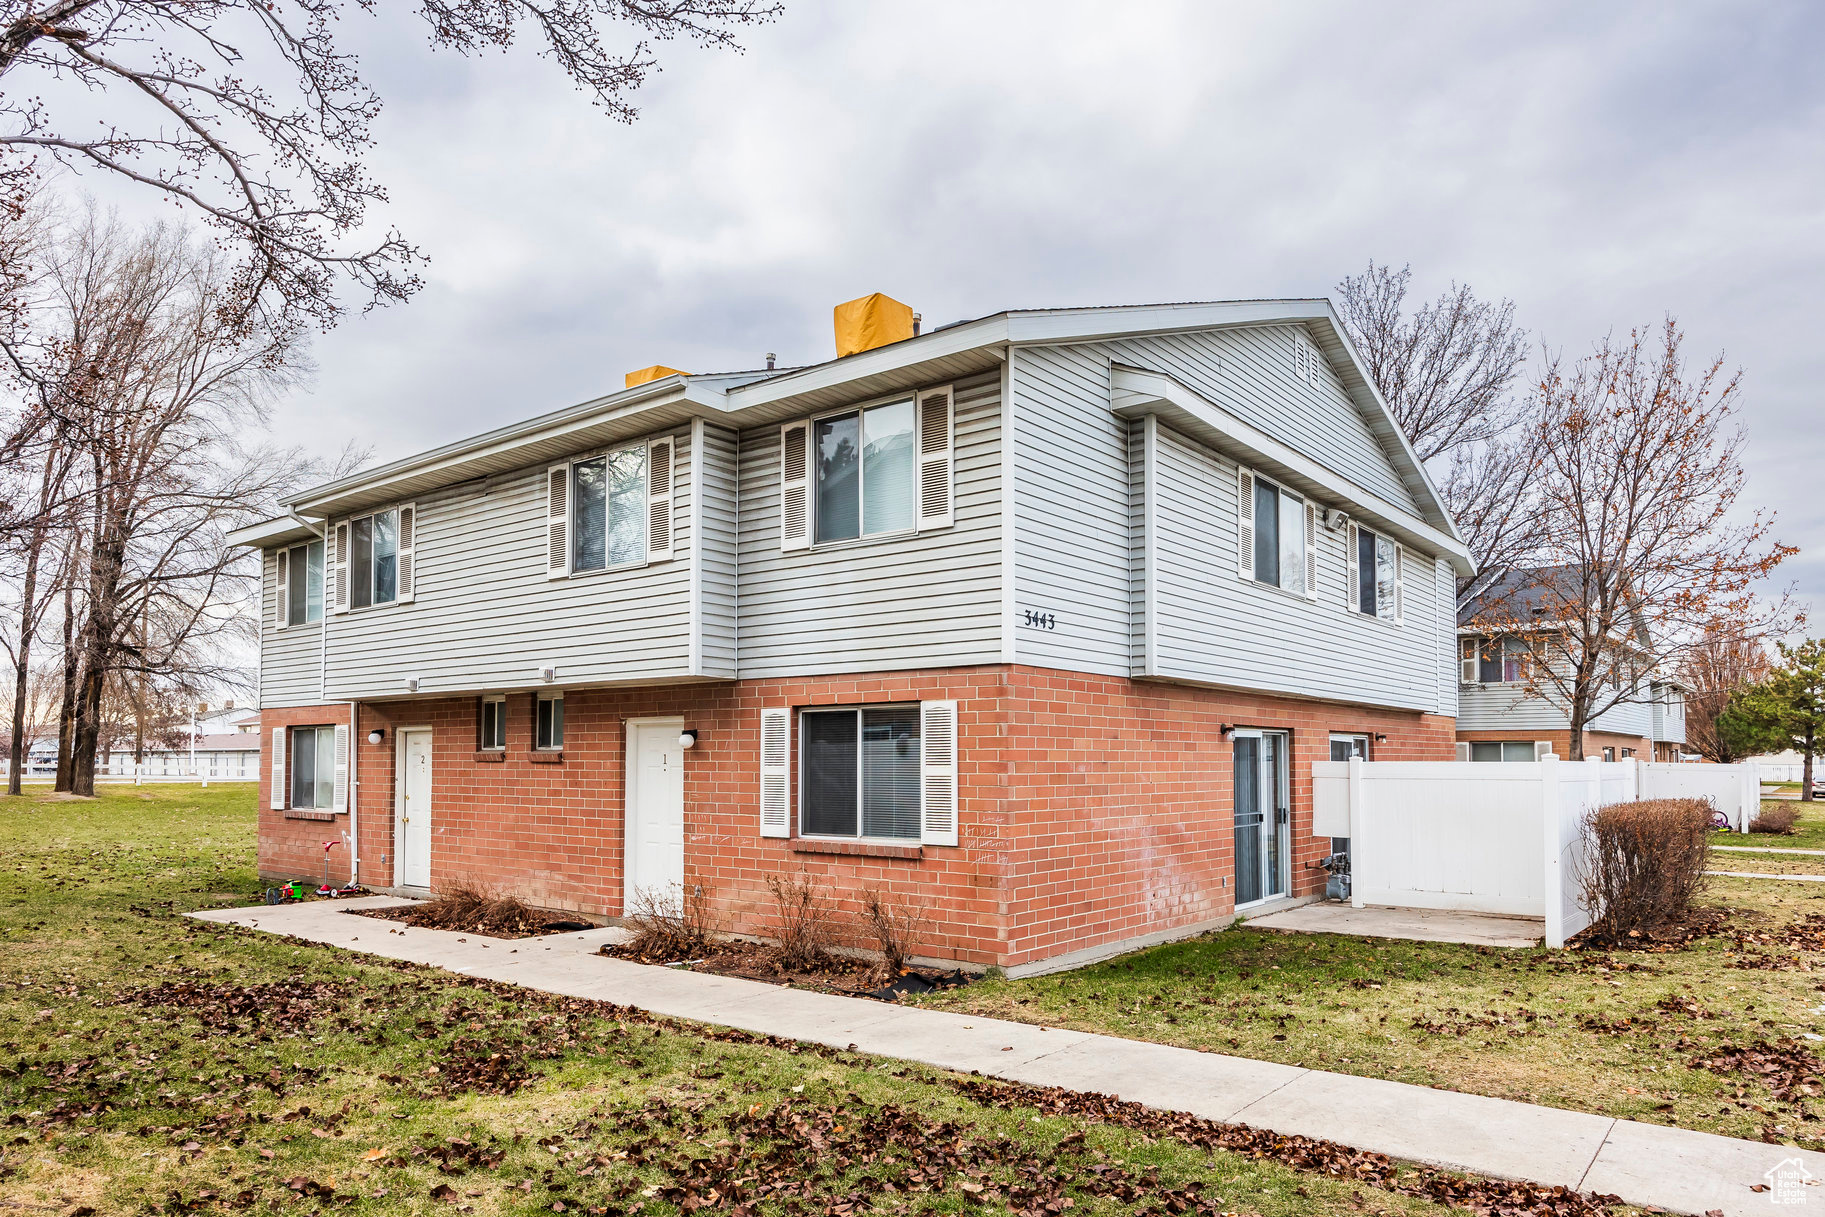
1645, 1164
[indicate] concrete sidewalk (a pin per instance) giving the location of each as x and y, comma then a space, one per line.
1645, 1164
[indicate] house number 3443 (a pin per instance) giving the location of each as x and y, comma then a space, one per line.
1041, 621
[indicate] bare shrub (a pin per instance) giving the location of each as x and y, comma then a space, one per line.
1776, 819
802, 911
473, 907
670, 925
896, 927
1644, 862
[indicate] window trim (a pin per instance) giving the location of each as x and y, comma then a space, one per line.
318, 732
804, 785
1353, 562
911, 398
645, 448
541, 699
283, 581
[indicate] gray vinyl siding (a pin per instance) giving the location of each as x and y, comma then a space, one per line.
1500, 707
930, 599
720, 557
486, 616
1214, 626
290, 673
1669, 717
1073, 468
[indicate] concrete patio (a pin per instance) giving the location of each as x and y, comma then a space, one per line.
1645, 1164
1422, 925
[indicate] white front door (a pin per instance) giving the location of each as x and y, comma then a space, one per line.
655, 812
414, 837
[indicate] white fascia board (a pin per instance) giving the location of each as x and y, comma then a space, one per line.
268, 533
939, 344
1138, 393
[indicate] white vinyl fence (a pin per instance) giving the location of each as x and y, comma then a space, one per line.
1495, 837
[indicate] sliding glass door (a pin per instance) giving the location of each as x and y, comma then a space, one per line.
1263, 823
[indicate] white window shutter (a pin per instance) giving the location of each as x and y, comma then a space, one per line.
1468, 650
1543, 748
408, 558
658, 499
339, 568
1400, 584
339, 800
1311, 550
795, 485
557, 522
1352, 592
1463, 751
277, 801
937, 453
938, 772
282, 586
776, 772
1245, 523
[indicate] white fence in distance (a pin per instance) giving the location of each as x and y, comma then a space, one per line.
1501, 837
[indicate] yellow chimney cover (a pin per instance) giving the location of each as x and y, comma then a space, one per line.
873, 321
657, 372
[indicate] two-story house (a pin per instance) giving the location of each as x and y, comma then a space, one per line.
1037, 619
1508, 710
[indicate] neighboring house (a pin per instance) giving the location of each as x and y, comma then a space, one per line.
227, 755
1036, 620
1668, 700
1508, 713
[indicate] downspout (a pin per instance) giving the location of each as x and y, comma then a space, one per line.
354, 795
323, 664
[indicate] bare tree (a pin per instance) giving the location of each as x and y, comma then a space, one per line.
1720, 665
252, 117
1447, 369
1639, 482
151, 381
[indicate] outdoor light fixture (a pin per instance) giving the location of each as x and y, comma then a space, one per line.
411, 684
1381, 739
1227, 730
376, 735
687, 738
548, 673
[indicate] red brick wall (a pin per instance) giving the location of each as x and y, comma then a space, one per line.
1091, 809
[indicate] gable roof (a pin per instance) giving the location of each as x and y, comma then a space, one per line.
754, 398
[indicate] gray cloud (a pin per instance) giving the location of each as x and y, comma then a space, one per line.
1603, 165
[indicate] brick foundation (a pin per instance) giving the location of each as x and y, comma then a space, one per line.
1092, 810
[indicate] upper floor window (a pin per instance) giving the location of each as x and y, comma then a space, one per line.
1277, 530
865, 472
608, 497
870, 471
299, 584
611, 510
1494, 661
372, 559
1376, 565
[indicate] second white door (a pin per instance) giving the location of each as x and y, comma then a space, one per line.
655, 812
414, 809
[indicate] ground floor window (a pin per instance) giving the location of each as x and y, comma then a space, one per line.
548, 726
1609, 754
494, 723
1502, 750
861, 772
1343, 747
313, 767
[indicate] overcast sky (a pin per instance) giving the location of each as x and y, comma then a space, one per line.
1600, 164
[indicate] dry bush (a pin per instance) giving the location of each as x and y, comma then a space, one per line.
896, 927
673, 925
473, 907
802, 910
1644, 862
1777, 819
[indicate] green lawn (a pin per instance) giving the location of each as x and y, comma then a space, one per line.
152, 1064
1617, 1034
1809, 831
